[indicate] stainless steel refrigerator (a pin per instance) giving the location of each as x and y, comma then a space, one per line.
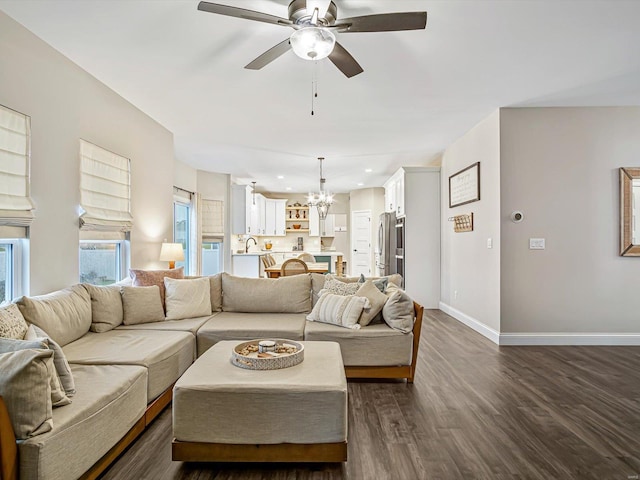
386, 247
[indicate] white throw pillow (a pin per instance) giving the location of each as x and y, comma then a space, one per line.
187, 298
341, 310
398, 311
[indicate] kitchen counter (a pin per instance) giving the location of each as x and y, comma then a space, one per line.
250, 265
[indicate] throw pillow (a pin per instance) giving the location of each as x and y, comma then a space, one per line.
147, 278
340, 310
65, 314
142, 305
398, 311
187, 298
106, 307
380, 283
376, 298
26, 390
59, 360
56, 392
12, 323
337, 287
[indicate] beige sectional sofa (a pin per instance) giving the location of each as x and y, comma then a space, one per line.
124, 376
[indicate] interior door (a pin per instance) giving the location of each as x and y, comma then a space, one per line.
361, 243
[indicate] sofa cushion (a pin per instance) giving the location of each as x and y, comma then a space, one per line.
59, 360
376, 298
147, 278
110, 399
216, 292
341, 310
106, 307
187, 298
166, 354
65, 314
317, 284
266, 295
141, 305
398, 312
12, 323
25, 388
187, 325
249, 326
376, 345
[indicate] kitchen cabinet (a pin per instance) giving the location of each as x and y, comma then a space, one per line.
394, 194
321, 228
247, 266
275, 213
297, 216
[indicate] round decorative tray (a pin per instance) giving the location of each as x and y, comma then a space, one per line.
279, 353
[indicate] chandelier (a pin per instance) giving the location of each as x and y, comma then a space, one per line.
321, 200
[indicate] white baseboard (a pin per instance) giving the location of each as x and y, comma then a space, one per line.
593, 339
471, 322
542, 338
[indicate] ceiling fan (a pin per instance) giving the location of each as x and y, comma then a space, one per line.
315, 23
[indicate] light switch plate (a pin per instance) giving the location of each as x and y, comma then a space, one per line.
536, 244
489, 242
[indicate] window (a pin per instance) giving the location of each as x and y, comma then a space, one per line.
211, 257
10, 269
212, 236
181, 230
105, 221
16, 207
102, 262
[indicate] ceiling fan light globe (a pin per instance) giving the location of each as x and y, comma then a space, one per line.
312, 43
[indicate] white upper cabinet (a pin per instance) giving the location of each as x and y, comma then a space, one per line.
275, 224
321, 228
394, 197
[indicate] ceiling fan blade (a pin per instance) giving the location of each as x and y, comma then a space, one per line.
242, 13
270, 55
321, 5
344, 61
384, 22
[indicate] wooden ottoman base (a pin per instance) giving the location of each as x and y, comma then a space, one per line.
282, 452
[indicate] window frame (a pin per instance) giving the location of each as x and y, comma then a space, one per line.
211, 240
188, 249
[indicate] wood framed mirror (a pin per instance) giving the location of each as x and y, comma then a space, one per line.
630, 211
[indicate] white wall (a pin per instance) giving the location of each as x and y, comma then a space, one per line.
468, 266
65, 104
560, 167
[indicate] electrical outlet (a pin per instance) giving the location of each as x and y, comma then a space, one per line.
489, 242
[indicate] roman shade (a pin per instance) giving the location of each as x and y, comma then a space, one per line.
105, 190
212, 218
16, 207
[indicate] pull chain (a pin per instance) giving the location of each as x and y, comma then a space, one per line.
314, 86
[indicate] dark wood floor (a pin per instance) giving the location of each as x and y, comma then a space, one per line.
476, 411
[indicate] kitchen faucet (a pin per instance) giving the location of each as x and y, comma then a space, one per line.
246, 244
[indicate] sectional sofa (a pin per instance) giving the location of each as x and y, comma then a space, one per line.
124, 368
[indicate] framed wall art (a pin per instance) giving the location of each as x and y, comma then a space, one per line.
464, 186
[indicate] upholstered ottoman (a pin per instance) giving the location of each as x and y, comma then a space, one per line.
223, 413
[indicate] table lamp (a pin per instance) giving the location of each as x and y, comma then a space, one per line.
172, 253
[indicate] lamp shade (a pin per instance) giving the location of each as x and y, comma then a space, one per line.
312, 43
171, 252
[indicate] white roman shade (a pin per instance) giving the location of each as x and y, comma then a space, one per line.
212, 218
105, 190
16, 207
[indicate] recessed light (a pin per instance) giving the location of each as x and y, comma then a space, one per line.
280, 177
360, 184
288, 188
368, 170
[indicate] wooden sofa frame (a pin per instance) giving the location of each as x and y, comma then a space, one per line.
9, 465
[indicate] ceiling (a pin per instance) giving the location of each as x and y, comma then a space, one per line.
420, 90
